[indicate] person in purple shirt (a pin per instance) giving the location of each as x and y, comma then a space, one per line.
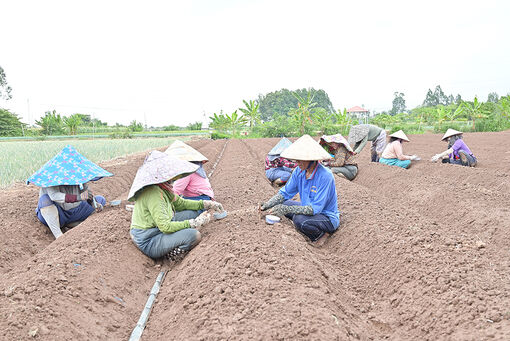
458, 152
316, 214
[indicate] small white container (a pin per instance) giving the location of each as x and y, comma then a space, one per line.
272, 219
115, 202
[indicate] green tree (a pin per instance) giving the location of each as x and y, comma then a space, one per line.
474, 110
135, 126
10, 125
5, 89
251, 112
302, 113
493, 97
284, 102
441, 115
219, 122
323, 119
194, 126
437, 97
399, 103
235, 122
51, 123
72, 122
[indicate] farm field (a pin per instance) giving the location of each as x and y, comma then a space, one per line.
421, 254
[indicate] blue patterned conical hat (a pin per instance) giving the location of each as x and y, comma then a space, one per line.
67, 168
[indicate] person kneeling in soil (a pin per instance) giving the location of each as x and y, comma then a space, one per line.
163, 223
458, 152
279, 169
360, 134
195, 186
393, 154
343, 156
64, 198
317, 212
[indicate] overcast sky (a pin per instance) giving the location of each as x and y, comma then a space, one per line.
169, 62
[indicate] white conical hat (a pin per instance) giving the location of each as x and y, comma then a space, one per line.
184, 152
305, 149
450, 132
157, 168
400, 135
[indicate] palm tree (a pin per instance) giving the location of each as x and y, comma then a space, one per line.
474, 110
72, 122
322, 118
302, 113
219, 122
251, 112
235, 122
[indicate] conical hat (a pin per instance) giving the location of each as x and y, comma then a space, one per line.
306, 149
67, 168
157, 168
184, 152
283, 144
400, 135
337, 139
450, 132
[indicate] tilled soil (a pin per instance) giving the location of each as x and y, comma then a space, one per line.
420, 254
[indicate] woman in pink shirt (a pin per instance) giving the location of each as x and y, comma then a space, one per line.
393, 154
195, 186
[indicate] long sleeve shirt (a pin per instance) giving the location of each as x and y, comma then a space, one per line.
318, 191
279, 162
373, 133
394, 151
458, 146
154, 207
193, 186
342, 157
65, 196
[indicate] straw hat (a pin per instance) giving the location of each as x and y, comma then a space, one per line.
450, 132
184, 152
157, 168
400, 135
305, 149
336, 139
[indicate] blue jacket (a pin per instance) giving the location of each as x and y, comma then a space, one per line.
319, 192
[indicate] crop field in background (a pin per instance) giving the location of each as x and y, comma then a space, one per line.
20, 159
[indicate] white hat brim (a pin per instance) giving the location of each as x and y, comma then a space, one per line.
305, 149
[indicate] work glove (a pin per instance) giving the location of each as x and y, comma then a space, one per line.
435, 158
201, 220
275, 200
414, 157
208, 204
279, 210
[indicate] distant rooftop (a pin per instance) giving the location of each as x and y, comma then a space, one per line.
357, 109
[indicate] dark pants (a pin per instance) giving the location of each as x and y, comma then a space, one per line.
79, 213
312, 226
471, 160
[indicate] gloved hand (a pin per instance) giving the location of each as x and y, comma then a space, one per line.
435, 158
414, 157
279, 210
201, 220
208, 204
263, 206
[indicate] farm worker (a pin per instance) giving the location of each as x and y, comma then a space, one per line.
317, 211
163, 223
393, 154
458, 152
360, 134
343, 156
64, 197
195, 186
279, 169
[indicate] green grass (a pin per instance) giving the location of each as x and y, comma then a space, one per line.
20, 159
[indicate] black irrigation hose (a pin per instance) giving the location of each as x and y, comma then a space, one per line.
217, 160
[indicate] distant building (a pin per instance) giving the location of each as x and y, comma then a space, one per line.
360, 113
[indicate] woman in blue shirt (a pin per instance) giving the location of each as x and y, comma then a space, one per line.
317, 212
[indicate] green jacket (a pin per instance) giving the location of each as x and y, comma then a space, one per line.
373, 133
154, 208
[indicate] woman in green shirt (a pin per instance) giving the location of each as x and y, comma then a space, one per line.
164, 224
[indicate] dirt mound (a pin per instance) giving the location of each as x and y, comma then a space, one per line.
420, 254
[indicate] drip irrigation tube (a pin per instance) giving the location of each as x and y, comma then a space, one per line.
136, 334
217, 160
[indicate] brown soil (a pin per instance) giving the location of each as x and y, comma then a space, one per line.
421, 254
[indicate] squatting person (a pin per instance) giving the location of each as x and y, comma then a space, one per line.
279, 169
316, 214
458, 153
343, 156
393, 154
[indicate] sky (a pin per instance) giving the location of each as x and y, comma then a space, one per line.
178, 62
